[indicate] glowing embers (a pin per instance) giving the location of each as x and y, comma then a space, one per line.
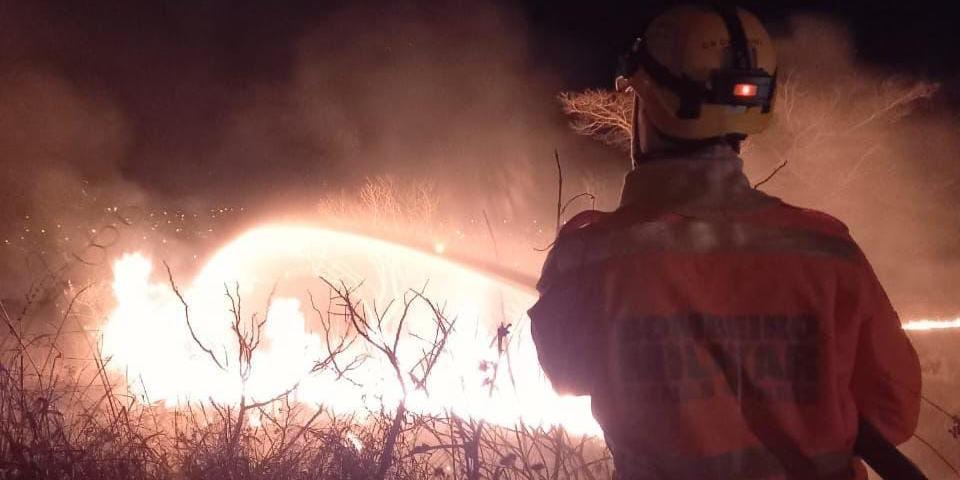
148, 339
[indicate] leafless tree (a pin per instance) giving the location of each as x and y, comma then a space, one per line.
373, 328
828, 136
811, 124
113, 433
247, 332
604, 115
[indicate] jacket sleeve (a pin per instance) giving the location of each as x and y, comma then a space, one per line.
886, 376
566, 327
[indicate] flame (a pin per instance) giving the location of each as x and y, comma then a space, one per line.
355, 441
923, 325
146, 336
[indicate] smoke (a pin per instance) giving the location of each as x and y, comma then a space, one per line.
61, 153
178, 125
875, 148
446, 94
187, 123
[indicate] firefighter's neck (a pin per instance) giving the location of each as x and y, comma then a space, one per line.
650, 145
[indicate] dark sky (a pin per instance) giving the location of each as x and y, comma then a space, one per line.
579, 39
915, 36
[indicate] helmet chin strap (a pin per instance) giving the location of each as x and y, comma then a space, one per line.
668, 147
636, 152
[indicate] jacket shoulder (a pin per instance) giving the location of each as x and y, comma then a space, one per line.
583, 221
590, 222
815, 220
571, 242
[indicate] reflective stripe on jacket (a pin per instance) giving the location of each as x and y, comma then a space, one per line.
720, 332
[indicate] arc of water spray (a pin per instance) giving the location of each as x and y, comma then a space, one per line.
528, 283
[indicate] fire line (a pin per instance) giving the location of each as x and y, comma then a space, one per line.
147, 339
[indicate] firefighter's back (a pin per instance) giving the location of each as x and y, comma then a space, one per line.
725, 341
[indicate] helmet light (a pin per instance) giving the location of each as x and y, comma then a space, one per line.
747, 90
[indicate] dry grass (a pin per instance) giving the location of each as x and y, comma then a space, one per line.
68, 416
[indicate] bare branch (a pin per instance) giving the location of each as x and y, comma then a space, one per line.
186, 316
335, 348
601, 114
772, 174
556, 156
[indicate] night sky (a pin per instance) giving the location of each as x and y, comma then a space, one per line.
252, 41
919, 37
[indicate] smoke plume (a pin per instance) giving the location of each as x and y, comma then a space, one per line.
184, 124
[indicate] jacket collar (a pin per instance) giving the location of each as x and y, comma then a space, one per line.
709, 179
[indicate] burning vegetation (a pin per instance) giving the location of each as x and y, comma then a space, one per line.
318, 361
197, 382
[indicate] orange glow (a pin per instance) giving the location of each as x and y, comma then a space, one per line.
922, 325
745, 90
147, 338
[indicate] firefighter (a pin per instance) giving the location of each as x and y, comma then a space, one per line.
720, 332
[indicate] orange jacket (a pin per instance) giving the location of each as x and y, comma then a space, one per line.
720, 332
